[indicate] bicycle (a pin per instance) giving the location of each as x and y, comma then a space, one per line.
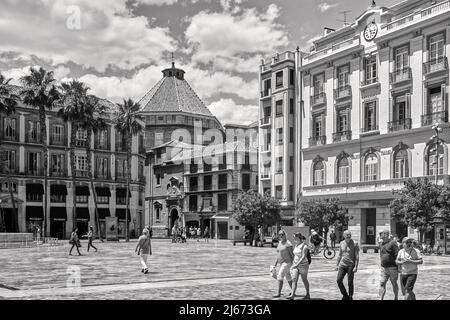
429, 250
328, 252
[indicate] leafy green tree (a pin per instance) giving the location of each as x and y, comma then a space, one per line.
321, 214
252, 209
418, 202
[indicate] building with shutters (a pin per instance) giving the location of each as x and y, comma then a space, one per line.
370, 93
23, 165
195, 166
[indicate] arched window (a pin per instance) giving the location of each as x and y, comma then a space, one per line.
319, 174
431, 166
343, 171
401, 165
371, 167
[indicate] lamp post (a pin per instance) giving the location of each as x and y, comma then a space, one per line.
437, 129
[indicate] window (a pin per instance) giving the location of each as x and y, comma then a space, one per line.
81, 163
34, 197
34, 131
159, 138
343, 76
317, 125
222, 199
158, 179
11, 160
291, 106
102, 167
246, 181
121, 168
371, 70
102, 199
342, 120
279, 192
193, 204
223, 181
371, 167
291, 163
57, 164
9, 127
280, 136
81, 137
279, 108
267, 112
291, 134
82, 199
319, 173
436, 48
279, 79
34, 162
158, 213
343, 170
401, 164
291, 77
58, 134
58, 198
291, 193
370, 116
5, 187
267, 86
279, 167
436, 99
432, 163
121, 200
103, 140
401, 57
319, 81
207, 182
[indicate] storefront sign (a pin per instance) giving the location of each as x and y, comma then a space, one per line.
112, 228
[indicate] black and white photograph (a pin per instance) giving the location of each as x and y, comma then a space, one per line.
229, 156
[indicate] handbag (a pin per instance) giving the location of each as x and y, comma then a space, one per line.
273, 272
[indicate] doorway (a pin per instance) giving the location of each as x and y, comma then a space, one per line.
371, 219
173, 219
8, 220
82, 228
57, 229
222, 230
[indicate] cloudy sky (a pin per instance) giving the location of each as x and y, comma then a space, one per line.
119, 47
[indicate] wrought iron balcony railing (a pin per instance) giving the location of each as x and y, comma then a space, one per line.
317, 141
399, 125
432, 118
400, 75
318, 99
435, 65
343, 92
342, 136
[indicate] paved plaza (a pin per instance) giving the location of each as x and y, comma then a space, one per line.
196, 270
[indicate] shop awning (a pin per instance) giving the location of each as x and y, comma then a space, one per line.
120, 213
103, 191
36, 188
83, 214
58, 213
58, 190
222, 216
35, 213
122, 193
103, 213
82, 191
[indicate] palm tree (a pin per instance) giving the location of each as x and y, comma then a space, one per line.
8, 103
93, 120
128, 122
40, 91
73, 104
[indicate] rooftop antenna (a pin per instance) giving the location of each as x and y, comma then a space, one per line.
345, 17
173, 61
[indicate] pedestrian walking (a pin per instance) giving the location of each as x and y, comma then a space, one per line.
333, 239
143, 249
199, 233
193, 232
408, 259
285, 257
300, 265
347, 264
389, 269
206, 234
261, 236
90, 237
74, 241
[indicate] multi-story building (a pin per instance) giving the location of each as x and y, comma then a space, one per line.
279, 131
20, 142
195, 166
371, 92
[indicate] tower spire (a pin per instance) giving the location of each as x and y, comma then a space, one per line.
173, 61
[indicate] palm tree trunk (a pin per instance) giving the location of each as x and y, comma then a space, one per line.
91, 178
13, 202
128, 184
73, 168
42, 118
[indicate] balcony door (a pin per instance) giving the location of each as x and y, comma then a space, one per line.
436, 48
401, 59
436, 99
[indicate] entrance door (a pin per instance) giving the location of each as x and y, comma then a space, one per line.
57, 229
8, 221
173, 219
371, 219
82, 228
222, 229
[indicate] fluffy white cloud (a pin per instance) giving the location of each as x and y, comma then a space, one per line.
157, 2
323, 7
235, 42
227, 111
15, 74
91, 33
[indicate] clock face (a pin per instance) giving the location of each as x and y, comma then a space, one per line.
371, 31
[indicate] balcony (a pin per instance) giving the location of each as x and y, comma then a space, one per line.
142, 150
207, 167
35, 172
193, 188
344, 92
265, 148
58, 140
222, 166
318, 99
435, 65
102, 176
266, 93
400, 75
34, 137
121, 177
223, 186
59, 174
342, 136
369, 82
245, 167
81, 143
193, 168
82, 173
266, 121
399, 125
369, 129
10, 136
317, 141
432, 118
265, 176
331, 50
207, 187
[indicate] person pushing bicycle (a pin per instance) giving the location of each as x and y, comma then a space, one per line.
315, 239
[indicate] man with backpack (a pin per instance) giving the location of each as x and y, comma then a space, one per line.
300, 266
315, 239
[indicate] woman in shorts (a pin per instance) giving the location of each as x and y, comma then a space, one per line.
300, 265
285, 256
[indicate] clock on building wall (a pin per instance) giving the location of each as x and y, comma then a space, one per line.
370, 32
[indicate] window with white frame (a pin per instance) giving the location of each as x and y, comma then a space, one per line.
319, 173
401, 164
81, 163
34, 131
343, 76
318, 83
370, 118
58, 134
81, 137
371, 74
432, 160
401, 57
436, 48
343, 170
9, 128
371, 167
11, 160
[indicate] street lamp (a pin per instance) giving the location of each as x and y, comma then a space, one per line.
437, 129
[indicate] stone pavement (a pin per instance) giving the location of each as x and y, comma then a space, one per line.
196, 270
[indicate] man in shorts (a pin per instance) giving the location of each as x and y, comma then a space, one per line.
347, 264
408, 258
143, 249
389, 269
